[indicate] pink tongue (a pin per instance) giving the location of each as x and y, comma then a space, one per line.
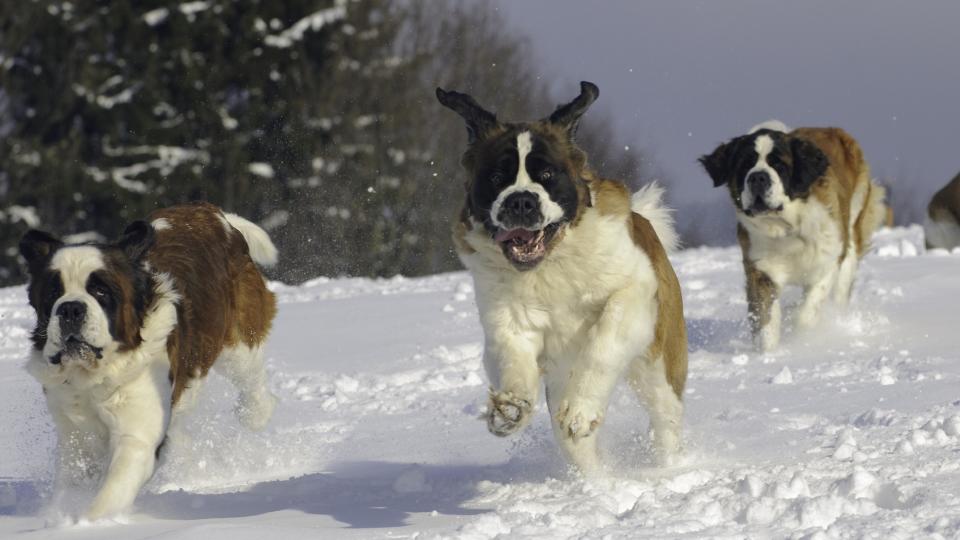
505, 236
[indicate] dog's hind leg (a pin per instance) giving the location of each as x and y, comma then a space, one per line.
648, 378
244, 367
177, 438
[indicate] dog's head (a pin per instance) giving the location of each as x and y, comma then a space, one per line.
765, 170
90, 299
524, 179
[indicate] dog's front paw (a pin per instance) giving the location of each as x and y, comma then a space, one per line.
506, 413
579, 419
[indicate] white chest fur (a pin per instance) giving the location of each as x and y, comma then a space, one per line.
562, 298
799, 246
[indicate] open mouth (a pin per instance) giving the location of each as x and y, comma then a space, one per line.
523, 247
75, 348
760, 206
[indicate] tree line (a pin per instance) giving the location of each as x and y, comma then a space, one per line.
314, 118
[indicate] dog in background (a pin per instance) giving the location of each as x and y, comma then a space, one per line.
942, 224
572, 278
806, 209
127, 331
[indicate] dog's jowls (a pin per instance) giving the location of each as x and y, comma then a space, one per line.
806, 208
572, 280
126, 332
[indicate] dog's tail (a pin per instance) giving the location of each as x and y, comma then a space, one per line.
262, 250
648, 202
772, 125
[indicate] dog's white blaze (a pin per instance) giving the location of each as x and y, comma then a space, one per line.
524, 146
776, 194
550, 210
161, 224
75, 264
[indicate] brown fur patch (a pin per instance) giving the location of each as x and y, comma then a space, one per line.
670, 332
223, 298
129, 319
460, 229
761, 290
610, 198
847, 173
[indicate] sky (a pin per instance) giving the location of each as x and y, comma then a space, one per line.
680, 77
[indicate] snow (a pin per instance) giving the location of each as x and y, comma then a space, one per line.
313, 22
377, 433
156, 16
261, 168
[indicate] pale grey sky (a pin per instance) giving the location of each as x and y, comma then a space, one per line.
679, 77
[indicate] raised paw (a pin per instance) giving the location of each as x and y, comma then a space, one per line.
506, 413
578, 420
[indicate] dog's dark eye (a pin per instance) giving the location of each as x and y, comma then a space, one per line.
100, 292
546, 174
496, 179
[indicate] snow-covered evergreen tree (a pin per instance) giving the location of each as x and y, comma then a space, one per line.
315, 118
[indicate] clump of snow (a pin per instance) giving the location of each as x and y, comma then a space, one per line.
313, 22
261, 169
156, 16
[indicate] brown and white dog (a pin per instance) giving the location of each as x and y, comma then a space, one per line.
573, 281
942, 225
806, 209
127, 331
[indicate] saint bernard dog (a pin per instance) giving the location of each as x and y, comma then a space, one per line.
126, 332
572, 281
942, 224
806, 209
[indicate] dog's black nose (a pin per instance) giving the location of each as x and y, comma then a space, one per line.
759, 182
522, 204
522, 208
71, 317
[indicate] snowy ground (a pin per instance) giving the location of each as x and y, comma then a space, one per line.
850, 430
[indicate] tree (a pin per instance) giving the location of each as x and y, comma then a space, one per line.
315, 118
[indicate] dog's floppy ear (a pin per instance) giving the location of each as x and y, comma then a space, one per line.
809, 165
720, 163
136, 239
479, 120
568, 116
37, 247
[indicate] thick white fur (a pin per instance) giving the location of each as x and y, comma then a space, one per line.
941, 234
549, 209
648, 202
262, 250
582, 317
120, 409
243, 366
800, 245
